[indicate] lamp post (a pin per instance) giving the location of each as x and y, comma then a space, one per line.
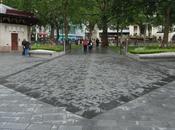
62, 35
63, 38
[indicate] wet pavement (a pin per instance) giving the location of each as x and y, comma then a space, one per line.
105, 91
15, 63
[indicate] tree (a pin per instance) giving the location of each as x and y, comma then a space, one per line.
25, 5
104, 7
89, 15
49, 13
123, 13
164, 10
98, 12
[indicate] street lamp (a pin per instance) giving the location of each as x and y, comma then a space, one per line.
63, 38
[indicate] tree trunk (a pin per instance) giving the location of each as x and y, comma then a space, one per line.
91, 28
105, 32
58, 33
167, 27
117, 38
66, 26
66, 20
52, 32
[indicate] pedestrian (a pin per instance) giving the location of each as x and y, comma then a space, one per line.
27, 48
90, 45
160, 39
85, 44
97, 42
24, 42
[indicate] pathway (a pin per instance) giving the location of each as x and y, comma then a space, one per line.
95, 86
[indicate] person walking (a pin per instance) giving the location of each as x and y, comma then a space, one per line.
27, 48
97, 42
90, 45
85, 44
24, 42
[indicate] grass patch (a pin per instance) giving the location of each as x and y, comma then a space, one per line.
57, 48
150, 49
144, 49
74, 46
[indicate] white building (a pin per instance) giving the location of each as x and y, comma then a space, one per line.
14, 27
153, 31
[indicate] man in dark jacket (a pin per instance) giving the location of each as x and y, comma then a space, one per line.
26, 47
24, 42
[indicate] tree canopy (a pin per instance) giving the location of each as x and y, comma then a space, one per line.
105, 13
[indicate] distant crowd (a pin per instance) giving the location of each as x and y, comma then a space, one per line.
89, 44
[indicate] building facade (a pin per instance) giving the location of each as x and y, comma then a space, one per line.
14, 27
151, 31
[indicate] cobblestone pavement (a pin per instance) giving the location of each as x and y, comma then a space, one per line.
65, 78
20, 112
154, 111
88, 85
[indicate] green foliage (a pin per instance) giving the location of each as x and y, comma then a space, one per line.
144, 49
76, 47
26, 5
150, 49
57, 48
118, 13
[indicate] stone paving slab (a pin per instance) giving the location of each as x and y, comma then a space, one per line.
88, 85
13, 62
153, 111
20, 112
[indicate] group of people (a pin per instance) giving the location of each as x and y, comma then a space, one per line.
88, 44
26, 47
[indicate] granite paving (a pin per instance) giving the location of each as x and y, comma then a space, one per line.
11, 63
153, 111
88, 85
20, 112
44, 95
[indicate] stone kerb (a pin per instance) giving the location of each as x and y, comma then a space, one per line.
45, 53
169, 55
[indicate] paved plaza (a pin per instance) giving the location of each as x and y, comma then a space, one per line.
97, 91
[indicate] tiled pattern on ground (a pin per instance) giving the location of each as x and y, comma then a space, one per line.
88, 85
166, 66
154, 111
19, 112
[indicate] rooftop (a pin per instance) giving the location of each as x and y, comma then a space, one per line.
4, 8
14, 16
